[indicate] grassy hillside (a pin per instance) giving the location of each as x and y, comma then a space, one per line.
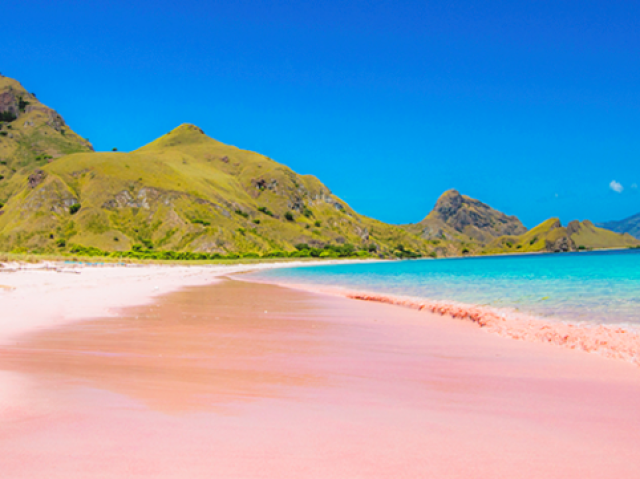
588, 236
186, 192
31, 135
551, 236
629, 225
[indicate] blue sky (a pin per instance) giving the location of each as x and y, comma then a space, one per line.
531, 107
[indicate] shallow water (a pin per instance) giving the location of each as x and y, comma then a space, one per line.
593, 287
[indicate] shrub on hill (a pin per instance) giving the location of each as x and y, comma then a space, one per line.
288, 216
202, 222
144, 251
22, 104
265, 210
403, 253
7, 116
73, 209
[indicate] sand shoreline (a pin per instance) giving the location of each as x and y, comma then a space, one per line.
245, 380
49, 294
613, 342
103, 291
259, 381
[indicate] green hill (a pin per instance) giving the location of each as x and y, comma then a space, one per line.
31, 134
548, 236
586, 235
186, 192
551, 236
629, 225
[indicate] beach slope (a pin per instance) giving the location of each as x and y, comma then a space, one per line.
243, 380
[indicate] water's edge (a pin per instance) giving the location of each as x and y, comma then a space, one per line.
613, 342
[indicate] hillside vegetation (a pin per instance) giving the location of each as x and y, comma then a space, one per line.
551, 236
187, 192
31, 135
188, 196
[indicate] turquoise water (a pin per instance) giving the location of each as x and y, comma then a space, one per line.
601, 287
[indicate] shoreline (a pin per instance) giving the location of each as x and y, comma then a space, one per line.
609, 341
109, 288
241, 379
67, 292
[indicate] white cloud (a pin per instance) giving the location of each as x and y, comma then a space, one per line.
615, 186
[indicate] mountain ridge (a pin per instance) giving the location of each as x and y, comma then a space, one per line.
186, 192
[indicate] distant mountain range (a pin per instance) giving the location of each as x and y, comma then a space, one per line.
629, 225
186, 192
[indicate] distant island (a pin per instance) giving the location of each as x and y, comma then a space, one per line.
189, 196
630, 225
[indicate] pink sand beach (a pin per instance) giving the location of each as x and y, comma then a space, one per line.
179, 373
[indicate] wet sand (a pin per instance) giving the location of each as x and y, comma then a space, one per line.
242, 380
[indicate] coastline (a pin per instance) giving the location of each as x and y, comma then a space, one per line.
67, 293
239, 379
613, 342
49, 294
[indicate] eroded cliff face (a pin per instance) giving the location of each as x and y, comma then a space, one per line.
454, 212
558, 239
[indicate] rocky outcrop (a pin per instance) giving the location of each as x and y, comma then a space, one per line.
573, 227
53, 118
469, 217
9, 102
36, 178
564, 244
143, 199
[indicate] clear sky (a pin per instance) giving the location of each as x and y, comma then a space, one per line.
530, 106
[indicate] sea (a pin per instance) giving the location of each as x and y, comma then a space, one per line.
598, 287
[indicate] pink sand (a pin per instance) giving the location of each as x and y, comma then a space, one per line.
240, 380
614, 342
